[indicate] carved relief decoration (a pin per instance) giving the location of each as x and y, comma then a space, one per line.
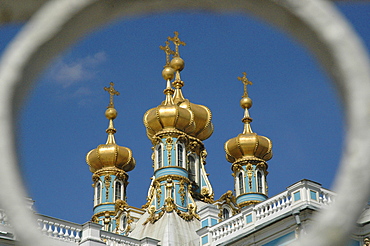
182, 192
169, 146
107, 181
229, 199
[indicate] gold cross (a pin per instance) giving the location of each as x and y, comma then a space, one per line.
245, 82
112, 92
177, 42
168, 52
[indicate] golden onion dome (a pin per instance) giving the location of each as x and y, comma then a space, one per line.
248, 145
110, 154
168, 116
202, 116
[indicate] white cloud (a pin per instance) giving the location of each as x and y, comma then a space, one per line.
68, 73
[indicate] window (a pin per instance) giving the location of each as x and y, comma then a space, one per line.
259, 182
180, 153
225, 213
98, 193
241, 183
159, 156
191, 170
118, 191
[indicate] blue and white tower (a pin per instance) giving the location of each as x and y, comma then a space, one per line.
249, 153
176, 129
109, 164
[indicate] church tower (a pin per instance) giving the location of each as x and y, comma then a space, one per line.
109, 164
249, 153
176, 129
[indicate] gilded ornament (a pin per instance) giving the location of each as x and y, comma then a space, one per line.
183, 138
182, 192
236, 167
193, 146
169, 186
122, 176
249, 174
120, 205
107, 219
107, 181
190, 215
153, 217
95, 178
206, 195
95, 219
203, 155
172, 177
169, 204
229, 199
247, 203
158, 192
169, 146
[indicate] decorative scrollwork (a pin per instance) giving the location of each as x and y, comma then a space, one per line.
182, 192
158, 192
153, 216
169, 204
107, 181
169, 146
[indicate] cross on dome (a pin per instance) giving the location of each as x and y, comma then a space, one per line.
168, 52
246, 82
177, 42
112, 92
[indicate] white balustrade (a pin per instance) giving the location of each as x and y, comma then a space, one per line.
275, 206
326, 197
228, 227
59, 229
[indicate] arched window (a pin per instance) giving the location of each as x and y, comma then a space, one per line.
98, 193
225, 213
118, 190
259, 182
191, 169
241, 183
159, 156
180, 154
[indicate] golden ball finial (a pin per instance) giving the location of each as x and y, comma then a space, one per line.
111, 113
177, 63
168, 73
246, 102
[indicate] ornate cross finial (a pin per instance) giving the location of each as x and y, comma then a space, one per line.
112, 92
168, 52
245, 82
177, 42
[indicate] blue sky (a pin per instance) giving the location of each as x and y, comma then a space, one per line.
294, 103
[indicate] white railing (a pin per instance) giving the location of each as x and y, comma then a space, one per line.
70, 233
273, 205
228, 227
283, 203
59, 229
326, 196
